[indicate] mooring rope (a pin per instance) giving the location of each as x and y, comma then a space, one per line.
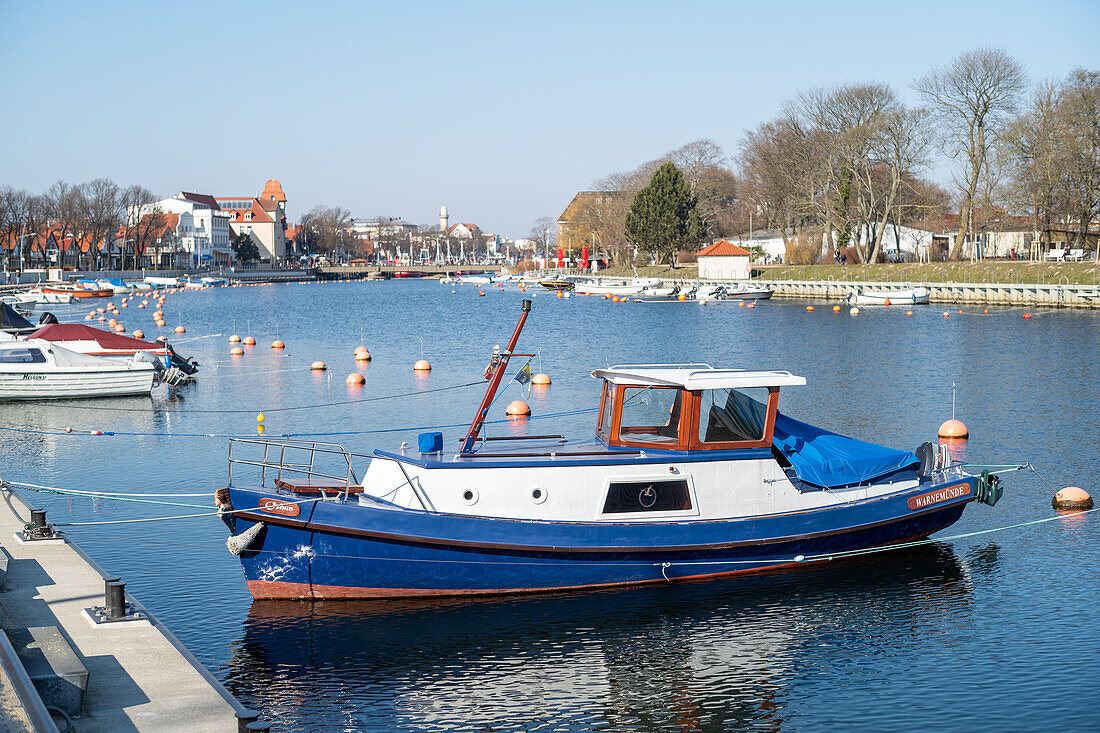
116, 433
273, 409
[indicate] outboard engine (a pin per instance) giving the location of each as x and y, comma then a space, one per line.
932, 458
188, 366
47, 318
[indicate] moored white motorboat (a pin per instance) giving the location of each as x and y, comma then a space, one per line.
35, 369
615, 286
744, 291
693, 473
116, 284
906, 296
23, 303
47, 297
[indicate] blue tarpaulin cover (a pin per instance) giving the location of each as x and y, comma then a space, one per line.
826, 459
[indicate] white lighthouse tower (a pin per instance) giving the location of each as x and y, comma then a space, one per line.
443, 219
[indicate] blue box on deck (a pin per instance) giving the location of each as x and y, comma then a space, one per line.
430, 442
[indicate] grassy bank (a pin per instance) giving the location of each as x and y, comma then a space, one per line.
987, 271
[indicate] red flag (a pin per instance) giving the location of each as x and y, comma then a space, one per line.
561, 257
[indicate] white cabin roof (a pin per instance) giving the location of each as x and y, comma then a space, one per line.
695, 376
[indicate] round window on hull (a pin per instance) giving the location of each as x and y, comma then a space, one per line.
538, 495
469, 496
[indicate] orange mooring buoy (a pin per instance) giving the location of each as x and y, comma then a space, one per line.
236, 351
422, 366
276, 344
362, 354
518, 408
953, 429
1072, 497
355, 379
181, 329
318, 366
541, 380
249, 341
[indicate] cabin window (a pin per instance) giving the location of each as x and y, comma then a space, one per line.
733, 415
650, 415
647, 496
605, 414
22, 356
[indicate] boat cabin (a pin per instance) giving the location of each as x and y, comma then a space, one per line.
689, 407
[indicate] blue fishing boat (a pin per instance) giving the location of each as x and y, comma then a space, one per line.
693, 472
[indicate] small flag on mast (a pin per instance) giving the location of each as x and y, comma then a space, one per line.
524, 374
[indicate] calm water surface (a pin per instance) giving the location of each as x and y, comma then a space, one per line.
992, 631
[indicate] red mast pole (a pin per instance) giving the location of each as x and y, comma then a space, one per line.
498, 374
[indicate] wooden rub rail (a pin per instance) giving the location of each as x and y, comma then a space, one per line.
1049, 294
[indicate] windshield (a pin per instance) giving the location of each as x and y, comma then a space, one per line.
733, 415
650, 415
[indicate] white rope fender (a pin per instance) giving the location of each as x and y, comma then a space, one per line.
238, 543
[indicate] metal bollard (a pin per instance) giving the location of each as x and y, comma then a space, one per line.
116, 600
244, 717
38, 518
107, 587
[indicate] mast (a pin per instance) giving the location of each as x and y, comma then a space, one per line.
494, 383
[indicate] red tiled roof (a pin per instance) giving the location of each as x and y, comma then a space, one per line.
723, 249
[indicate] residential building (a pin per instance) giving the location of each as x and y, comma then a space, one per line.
262, 217
203, 230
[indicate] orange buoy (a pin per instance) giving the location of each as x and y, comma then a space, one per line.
809, 309
518, 408
236, 351
141, 307
249, 341
1072, 497
112, 323
181, 329
100, 310
101, 319
985, 310
276, 344
886, 302
681, 296
908, 313
559, 294
751, 305
946, 314
614, 299
740, 304
953, 429
1027, 316
836, 309
139, 334
124, 305
119, 328
162, 339
260, 418
159, 323
362, 354
541, 380
88, 317
318, 366
422, 366
481, 292
234, 339
355, 379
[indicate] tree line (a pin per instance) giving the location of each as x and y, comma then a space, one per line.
89, 213
839, 165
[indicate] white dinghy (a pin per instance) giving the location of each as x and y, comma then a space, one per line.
908, 296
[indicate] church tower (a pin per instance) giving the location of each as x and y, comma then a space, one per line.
443, 219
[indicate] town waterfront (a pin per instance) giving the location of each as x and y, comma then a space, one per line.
982, 631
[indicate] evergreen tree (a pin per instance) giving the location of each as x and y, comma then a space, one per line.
665, 217
245, 249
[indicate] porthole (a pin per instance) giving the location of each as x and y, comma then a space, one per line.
538, 495
469, 496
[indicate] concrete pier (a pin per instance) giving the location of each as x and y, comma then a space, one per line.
1045, 294
138, 676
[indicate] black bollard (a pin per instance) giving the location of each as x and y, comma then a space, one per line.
38, 518
116, 600
107, 588
244, 717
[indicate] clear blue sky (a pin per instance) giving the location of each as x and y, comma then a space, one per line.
501, 111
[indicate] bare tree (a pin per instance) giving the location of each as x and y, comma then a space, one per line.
104, 211
973, 100
1079, 110
144, 222
543, 233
